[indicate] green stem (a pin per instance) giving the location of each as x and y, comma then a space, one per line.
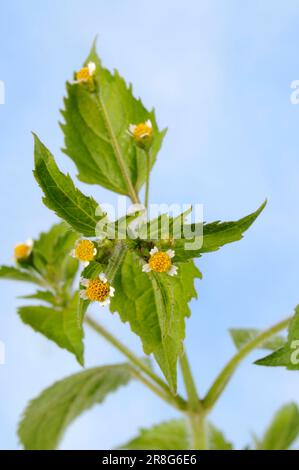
175, 400
198, 428
190, 386
196, 413
148, 172
227, 372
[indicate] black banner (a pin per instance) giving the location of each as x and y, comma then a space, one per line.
151, 458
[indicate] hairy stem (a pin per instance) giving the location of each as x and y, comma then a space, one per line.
225, 375
176, 401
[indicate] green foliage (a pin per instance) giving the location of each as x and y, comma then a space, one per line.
216, 439
57, 324
45, 295
170, 435
283, 430
51, 255
97, 113
155, 307
214, 235
16, 274
288, 355
95, 130
61, 195
242, 336
47, 416
174, 435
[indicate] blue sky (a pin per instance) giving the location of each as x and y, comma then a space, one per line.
219, 75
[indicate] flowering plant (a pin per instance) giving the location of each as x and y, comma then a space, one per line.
143, 269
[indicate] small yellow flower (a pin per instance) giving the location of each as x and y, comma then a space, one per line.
22, 251
142, 133
84, 251
160, 262
97, 290
86, 73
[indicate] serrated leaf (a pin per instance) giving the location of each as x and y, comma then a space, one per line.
242, 336
170, 435
288, 355
283, 430
95, 131
216, 439
213, 236
155, 306
61, 196
16, 274
47, 416
57, 324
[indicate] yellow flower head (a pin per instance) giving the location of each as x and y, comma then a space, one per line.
160, 262
142, 133
97, 290
84, 251
86, 73
22, 251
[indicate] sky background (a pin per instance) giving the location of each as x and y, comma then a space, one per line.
219, 75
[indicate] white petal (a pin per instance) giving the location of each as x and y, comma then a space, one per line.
170, 253
91, 68
111, 291
132, 128
73, 254
102, 277
149, 123
85, 263
94, 251
154, 250
146, 268
173, 271
83, 294
29, 243
84, 282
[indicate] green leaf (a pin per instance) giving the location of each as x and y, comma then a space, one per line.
16, 274
47, 416
288, 355
45, 295
95, 131
51, 254
58, 325
213, 236
283, 430
170, 435
216, 439
155, 307
61, 195
242, 336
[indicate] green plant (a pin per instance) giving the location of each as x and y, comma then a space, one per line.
144, 271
